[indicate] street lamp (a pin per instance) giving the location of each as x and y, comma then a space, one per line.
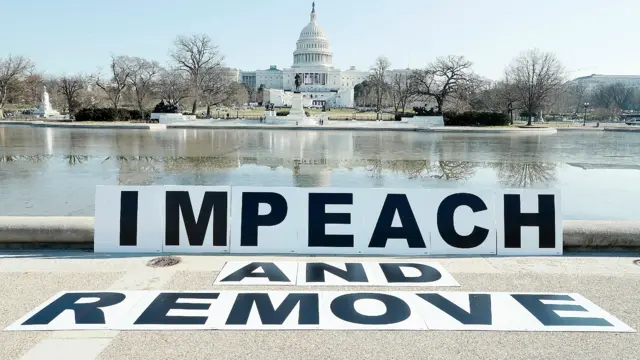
584, 120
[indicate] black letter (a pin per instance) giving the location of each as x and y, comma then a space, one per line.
156, 313
318, 218
447, 228
251, 220
409, 229
128, 218
397, 310
479, 308
545, 220
354, 273
308, 312
393, 273
548, 317
179, 202
271, 271
85, 313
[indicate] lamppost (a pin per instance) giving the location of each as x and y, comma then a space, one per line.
584, 120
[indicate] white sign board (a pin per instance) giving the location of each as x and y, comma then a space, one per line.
319, 273
314, 221
279, 310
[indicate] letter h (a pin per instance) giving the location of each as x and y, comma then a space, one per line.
515, 219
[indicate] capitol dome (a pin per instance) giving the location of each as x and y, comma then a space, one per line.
313, 47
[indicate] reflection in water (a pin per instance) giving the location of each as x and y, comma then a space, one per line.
34, 159
455, 170
526, 175
417, 169
199, 164
55, 171
411, 168
74, 160
509, 174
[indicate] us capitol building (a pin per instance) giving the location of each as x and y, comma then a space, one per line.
313, 60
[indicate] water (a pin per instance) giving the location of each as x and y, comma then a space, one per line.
46, 171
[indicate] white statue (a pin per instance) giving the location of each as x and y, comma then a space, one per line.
45, 100
45, 109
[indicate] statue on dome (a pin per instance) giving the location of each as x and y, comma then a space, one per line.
297, 82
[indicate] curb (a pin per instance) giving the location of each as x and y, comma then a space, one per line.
67, 125
76, 230
46, 229
580, 128
599, 234
412, 128
622, 129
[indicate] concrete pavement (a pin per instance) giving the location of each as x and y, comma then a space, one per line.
611, 281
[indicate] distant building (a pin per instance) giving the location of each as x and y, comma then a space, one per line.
233, 74
313, 61
592, 81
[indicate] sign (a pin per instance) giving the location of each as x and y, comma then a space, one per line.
299, 310
320, 273
307, 221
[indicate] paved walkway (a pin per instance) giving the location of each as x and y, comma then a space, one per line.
26, 280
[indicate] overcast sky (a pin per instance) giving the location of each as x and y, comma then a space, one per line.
69, 36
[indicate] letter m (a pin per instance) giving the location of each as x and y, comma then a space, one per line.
179, 202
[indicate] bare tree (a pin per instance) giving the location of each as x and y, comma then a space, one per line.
32, 87
70, 88
173, 86
260, 94
363, 94
622, 95
579, 91
443, 78
251, 92
120, 73
496, 96
635, 102
615, 97
218, 87
195, 55
378, 80
535, 77
241, 95
402, 91
144, 74
12, 69
462, 99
